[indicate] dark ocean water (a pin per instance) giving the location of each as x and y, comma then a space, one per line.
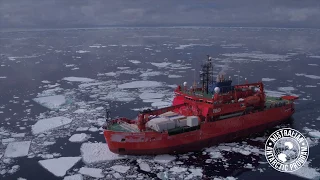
31, 62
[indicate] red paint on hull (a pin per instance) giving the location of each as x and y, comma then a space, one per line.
210, 133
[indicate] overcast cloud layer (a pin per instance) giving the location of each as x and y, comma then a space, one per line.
97, 13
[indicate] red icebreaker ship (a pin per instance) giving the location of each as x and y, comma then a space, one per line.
199, 117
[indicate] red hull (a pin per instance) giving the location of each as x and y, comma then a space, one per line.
210, 133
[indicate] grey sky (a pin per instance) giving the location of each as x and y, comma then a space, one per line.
92, 13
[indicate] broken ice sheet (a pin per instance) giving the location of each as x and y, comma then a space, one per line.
120, 168
93, 172
51, 102
97, 152
78, 79
17, 149
78, 137
74, 177
50, 123
59, 166
165, 158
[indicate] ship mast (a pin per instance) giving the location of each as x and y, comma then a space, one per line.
206, 74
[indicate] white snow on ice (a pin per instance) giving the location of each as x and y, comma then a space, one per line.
17, 149
97, 152
134, 61
268, 79
82, 51
144, 166
59, 166
93, 172
78, 137
161, 65
165, 158
78, 79
315, 134
119, 95
74, 177
308, 76
306, 172
50, 123
120, 168
51, 102
139, 84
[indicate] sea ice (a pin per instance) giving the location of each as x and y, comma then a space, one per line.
120, 168
174, 76
59, 166
177, 169
315, 134
134, 61
164, 159
121, 96
161, 65
82, 51
17, 135
117, 175
97, 152
306, 172
46, 124
3, 77
144, 167
8, 140
78, 137
308, 76
152, 73
78, 79
140, 84
286, 89
268, 79
93, 172
51, 102
161, 104
80, 111
73, 177
17, 149
82, 129
148, 95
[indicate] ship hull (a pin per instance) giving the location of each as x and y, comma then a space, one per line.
210, 133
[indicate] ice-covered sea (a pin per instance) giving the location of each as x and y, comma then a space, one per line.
54, 86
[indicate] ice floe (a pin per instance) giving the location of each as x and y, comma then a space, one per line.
51, 102
59, 166
140, 84
78, 79
7, 140
260, 56
3, 77
93, 172
151, 73
268, 79
150, 95
161, 65
50, 123
74, 177
308, 76
134, 61
318, 57
160, 104
82, 51
313, 64
177, 169
307, 172
164, 159
315, 134
119, 95
144, 166
120, 168
17, 149
78, 137
97, 152
174, 76
18, 135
